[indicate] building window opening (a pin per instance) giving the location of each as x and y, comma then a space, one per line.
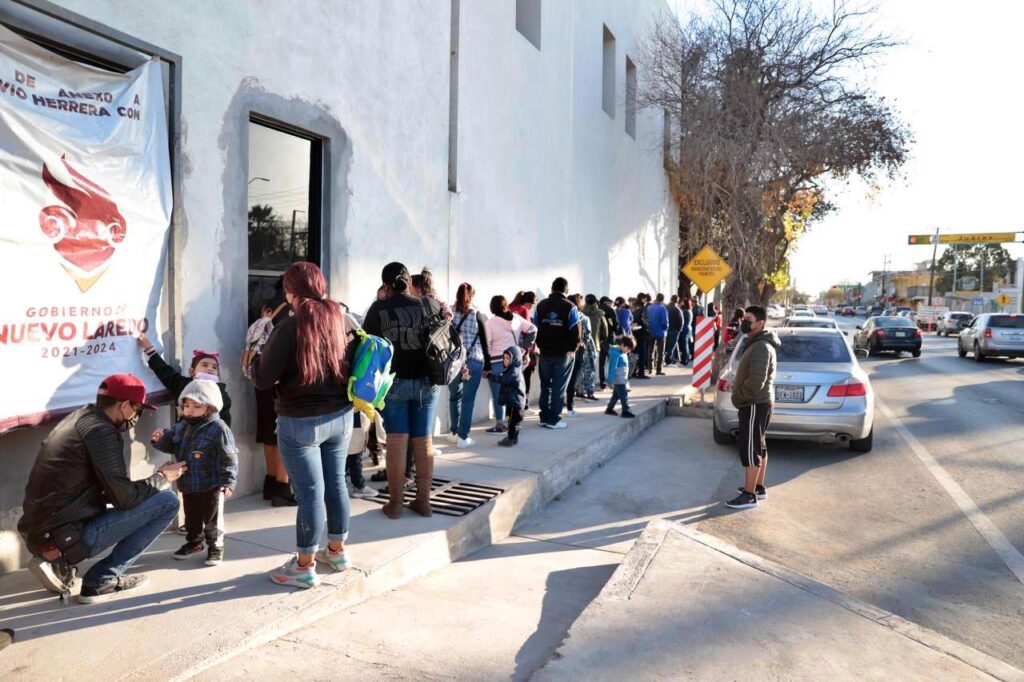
630, 98
608, 83
528, 20
285, 172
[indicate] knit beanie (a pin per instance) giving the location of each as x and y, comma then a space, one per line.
203, 392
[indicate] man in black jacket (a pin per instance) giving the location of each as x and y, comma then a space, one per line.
614, 332
559, 334
81, 468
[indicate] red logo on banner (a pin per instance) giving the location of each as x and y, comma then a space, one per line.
86, 231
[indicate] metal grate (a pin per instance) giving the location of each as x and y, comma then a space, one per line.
452, 498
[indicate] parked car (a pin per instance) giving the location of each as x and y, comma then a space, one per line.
874, 311
805, 322
897, 334
993, 335
847, 311
819, 309
861, 311
952, 323
801, 313
821, 392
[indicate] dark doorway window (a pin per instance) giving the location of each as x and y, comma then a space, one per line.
285, 171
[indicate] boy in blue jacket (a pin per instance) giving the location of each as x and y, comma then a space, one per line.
618, 374
512, 393
205, 442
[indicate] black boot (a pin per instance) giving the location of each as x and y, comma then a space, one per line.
283, 496
268, 487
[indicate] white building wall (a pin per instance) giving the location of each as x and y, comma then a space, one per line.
549, 185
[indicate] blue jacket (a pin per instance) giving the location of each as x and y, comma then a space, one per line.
209, 450
657, 314
513, 388
618, 366
687, 318
625, 316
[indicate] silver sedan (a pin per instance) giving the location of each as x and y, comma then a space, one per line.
821, 392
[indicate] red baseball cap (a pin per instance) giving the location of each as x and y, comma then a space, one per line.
125, 387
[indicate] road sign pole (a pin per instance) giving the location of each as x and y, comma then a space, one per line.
931, 281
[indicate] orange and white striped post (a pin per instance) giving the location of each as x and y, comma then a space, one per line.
703, 350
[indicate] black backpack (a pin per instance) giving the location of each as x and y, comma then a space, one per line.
446, 356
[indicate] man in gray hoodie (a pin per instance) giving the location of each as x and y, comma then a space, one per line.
753, 394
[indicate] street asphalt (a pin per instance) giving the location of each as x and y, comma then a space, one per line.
890, 527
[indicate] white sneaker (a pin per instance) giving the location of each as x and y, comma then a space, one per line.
365, 493
559, 425
466, 442
45, 574
572, 413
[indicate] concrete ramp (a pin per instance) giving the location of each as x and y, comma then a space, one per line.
685, 605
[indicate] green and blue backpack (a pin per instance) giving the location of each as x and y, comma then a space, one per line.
371, 375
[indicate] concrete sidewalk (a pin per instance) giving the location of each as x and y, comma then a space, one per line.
701, 609
192, 617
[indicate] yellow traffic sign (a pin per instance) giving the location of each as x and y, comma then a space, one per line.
707, 269
978, 238
1003, 300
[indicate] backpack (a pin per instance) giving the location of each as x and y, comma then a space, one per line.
446, 356
371, 376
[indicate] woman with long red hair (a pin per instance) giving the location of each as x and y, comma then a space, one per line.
305, 363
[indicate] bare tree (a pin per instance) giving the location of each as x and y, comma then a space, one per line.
766, 103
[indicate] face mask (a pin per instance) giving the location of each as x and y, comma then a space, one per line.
129, 423
746, 326
207, 377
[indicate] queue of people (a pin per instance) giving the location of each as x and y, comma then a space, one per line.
298, 357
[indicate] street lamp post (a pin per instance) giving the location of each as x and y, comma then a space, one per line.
291, 245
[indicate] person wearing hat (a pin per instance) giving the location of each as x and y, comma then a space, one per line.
204, 441
81, 468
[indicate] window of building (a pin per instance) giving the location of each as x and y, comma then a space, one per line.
285, 172
528, 20
608, 83
630, 98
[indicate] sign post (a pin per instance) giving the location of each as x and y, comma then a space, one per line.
707, 269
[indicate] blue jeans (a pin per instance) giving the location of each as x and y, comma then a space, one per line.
497, 369
462, 398
314, 451
619, 394
130, 531
409, 407
554, 379
672, 346
685, 349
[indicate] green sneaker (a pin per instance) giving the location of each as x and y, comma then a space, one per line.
292, 574
338, 562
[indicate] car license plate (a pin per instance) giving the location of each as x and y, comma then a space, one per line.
789, 394
901, 335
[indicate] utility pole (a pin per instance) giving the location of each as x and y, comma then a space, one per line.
291, 241
935, 250
956, 263
885, 266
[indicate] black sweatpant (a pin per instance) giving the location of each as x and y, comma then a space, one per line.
204, 517
515, 418
754, 420
602, 359
570, 391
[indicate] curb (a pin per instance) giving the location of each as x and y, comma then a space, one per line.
492, 522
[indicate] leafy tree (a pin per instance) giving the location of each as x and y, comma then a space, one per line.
994, 259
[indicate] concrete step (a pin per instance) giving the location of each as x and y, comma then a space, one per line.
194, 617
704, 609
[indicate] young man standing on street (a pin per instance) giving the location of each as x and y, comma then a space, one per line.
753, 393
657, 314
558, 337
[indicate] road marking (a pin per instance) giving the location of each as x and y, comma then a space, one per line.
1013, 559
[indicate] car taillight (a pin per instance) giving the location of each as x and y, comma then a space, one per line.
724, 385
854, 389
917, 333
880, 333
988, 333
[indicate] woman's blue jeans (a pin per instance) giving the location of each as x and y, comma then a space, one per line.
462, 398
497, 369
314, 450
409, 407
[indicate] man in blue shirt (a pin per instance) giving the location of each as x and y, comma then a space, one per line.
657, 313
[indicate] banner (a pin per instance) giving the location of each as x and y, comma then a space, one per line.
85, 196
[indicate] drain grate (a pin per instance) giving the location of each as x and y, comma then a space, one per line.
452, 498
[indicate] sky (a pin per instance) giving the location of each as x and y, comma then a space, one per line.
956, 83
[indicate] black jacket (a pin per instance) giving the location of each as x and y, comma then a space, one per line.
613, 321
176, 382
559, 332
79, 469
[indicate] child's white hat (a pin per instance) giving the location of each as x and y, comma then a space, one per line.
203, 392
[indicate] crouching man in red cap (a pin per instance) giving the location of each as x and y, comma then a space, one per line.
79, 470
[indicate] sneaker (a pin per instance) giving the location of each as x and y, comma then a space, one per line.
364, 493
296, 576
45, 574
496, 429
744, 500
611, 413
466, 443
187, 550
214, 556
762, 494
508, 441
626, 414
660, 374
559, 425
572, 413
642, 376
112, 588
337, 562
